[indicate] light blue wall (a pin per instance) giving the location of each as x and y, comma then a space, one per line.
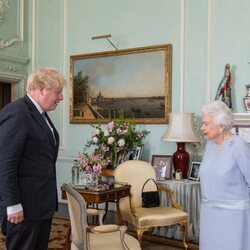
205, 35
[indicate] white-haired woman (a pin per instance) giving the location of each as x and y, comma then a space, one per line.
225, 183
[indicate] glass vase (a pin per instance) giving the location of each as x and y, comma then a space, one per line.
85, 178
96, 179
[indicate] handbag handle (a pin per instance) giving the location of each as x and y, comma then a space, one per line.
147, 182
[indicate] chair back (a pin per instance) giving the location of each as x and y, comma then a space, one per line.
135, 173
78, 218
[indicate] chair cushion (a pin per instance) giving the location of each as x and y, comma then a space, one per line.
159, 216
106, 228
111, 241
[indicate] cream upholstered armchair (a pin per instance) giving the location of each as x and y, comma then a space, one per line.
103, 237
136, 173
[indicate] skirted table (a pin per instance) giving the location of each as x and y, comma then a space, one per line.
187, 194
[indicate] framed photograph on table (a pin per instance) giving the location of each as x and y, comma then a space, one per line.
136, 154
163, 166
194, 171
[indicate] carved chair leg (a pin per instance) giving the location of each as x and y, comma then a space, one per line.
184, 226
140, 231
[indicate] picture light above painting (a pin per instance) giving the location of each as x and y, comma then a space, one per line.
136, 82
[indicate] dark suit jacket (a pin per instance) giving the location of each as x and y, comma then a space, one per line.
28, 156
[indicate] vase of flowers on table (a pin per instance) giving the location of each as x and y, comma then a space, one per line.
115, 141
90, 167
111, 145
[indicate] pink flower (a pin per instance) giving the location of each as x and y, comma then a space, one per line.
121, 131
104, 148
97, 168
106, 132
88, 168
110, 126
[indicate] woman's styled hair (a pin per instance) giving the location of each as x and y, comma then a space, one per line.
220, 112
45, 77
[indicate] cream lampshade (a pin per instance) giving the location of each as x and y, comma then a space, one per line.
181, 130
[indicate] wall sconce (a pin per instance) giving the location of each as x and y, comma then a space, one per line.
104, 37
181, 130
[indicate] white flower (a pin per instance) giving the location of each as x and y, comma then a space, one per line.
111, 140
121, 143
97, 132
95, 139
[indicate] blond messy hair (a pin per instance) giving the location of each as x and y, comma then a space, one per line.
45, 77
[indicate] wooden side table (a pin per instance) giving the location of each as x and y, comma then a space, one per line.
114, 193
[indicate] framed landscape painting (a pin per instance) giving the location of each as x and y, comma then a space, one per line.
135, 82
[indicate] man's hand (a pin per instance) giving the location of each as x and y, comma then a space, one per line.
16, 217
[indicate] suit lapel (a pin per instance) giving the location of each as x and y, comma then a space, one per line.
39, 118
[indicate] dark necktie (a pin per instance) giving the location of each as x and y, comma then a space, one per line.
44, 116
47, 122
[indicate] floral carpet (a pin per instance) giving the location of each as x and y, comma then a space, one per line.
58, 237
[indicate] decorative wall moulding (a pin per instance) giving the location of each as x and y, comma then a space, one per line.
11, 68
13, 58
18, 37
3, 5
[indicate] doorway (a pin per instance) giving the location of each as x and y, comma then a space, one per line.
5, 94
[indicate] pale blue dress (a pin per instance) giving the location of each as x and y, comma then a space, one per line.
225, 190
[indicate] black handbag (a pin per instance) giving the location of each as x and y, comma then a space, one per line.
150, 198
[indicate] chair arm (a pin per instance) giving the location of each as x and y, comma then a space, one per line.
123, 230
132, 208
170, 193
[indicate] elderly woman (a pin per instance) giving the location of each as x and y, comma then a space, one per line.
225, 183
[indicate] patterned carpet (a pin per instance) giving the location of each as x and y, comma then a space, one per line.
60, 233
58, 237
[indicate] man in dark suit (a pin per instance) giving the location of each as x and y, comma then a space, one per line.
28, 152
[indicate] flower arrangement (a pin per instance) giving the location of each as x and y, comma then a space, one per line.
91, 162
112, 144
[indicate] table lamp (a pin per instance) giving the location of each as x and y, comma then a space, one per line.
181, 130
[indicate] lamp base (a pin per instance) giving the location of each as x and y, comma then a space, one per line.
181, 159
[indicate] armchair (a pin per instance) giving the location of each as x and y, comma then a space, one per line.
103, 237
135, 173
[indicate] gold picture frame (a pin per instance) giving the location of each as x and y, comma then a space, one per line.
135, 82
